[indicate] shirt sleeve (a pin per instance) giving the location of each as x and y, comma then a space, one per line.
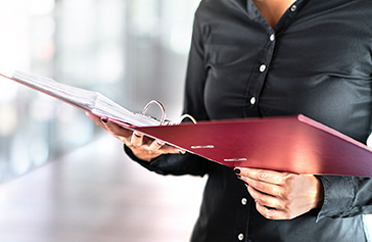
196, 75
345, 196
174, 164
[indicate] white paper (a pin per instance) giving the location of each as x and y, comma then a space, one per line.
87, 100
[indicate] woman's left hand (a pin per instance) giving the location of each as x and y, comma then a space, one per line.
282, 195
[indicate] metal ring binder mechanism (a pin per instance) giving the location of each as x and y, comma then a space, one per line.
148, 105
186, 116
179, 121
163, 120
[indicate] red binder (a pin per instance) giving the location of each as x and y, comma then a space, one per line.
294, 144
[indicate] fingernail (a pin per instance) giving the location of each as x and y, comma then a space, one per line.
137, 134
236, 170
182, 152
160, 142
104, 120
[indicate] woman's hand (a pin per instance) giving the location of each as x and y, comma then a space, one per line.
282, 195
142, 146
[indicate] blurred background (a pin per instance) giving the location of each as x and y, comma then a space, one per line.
62, 178
131, 51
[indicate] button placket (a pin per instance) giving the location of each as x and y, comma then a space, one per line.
255, 87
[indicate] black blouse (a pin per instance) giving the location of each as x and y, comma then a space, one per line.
318, 62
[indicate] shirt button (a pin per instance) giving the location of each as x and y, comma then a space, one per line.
244, 201
262, 68
272, 37
253, 100
293, 8
240, 237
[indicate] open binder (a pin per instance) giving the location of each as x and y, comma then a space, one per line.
295, 144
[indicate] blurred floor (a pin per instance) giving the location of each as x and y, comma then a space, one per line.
97, 194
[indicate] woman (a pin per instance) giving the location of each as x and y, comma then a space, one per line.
258, 58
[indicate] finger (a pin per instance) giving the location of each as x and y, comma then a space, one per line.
265, 199
267, 176
137, 139
164, 148
263, 187
156, 145
116, 130
91, 115
97, 120
271, 213
168, 149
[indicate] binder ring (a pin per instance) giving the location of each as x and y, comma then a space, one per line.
159, 105
186, 116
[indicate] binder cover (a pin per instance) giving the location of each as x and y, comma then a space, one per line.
295, 144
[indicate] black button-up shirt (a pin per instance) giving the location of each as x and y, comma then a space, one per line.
318, 62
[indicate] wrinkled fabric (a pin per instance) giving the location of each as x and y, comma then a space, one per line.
317, 62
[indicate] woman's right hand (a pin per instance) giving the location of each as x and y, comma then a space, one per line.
143, 147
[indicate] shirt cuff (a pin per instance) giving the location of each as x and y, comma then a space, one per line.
338, 196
